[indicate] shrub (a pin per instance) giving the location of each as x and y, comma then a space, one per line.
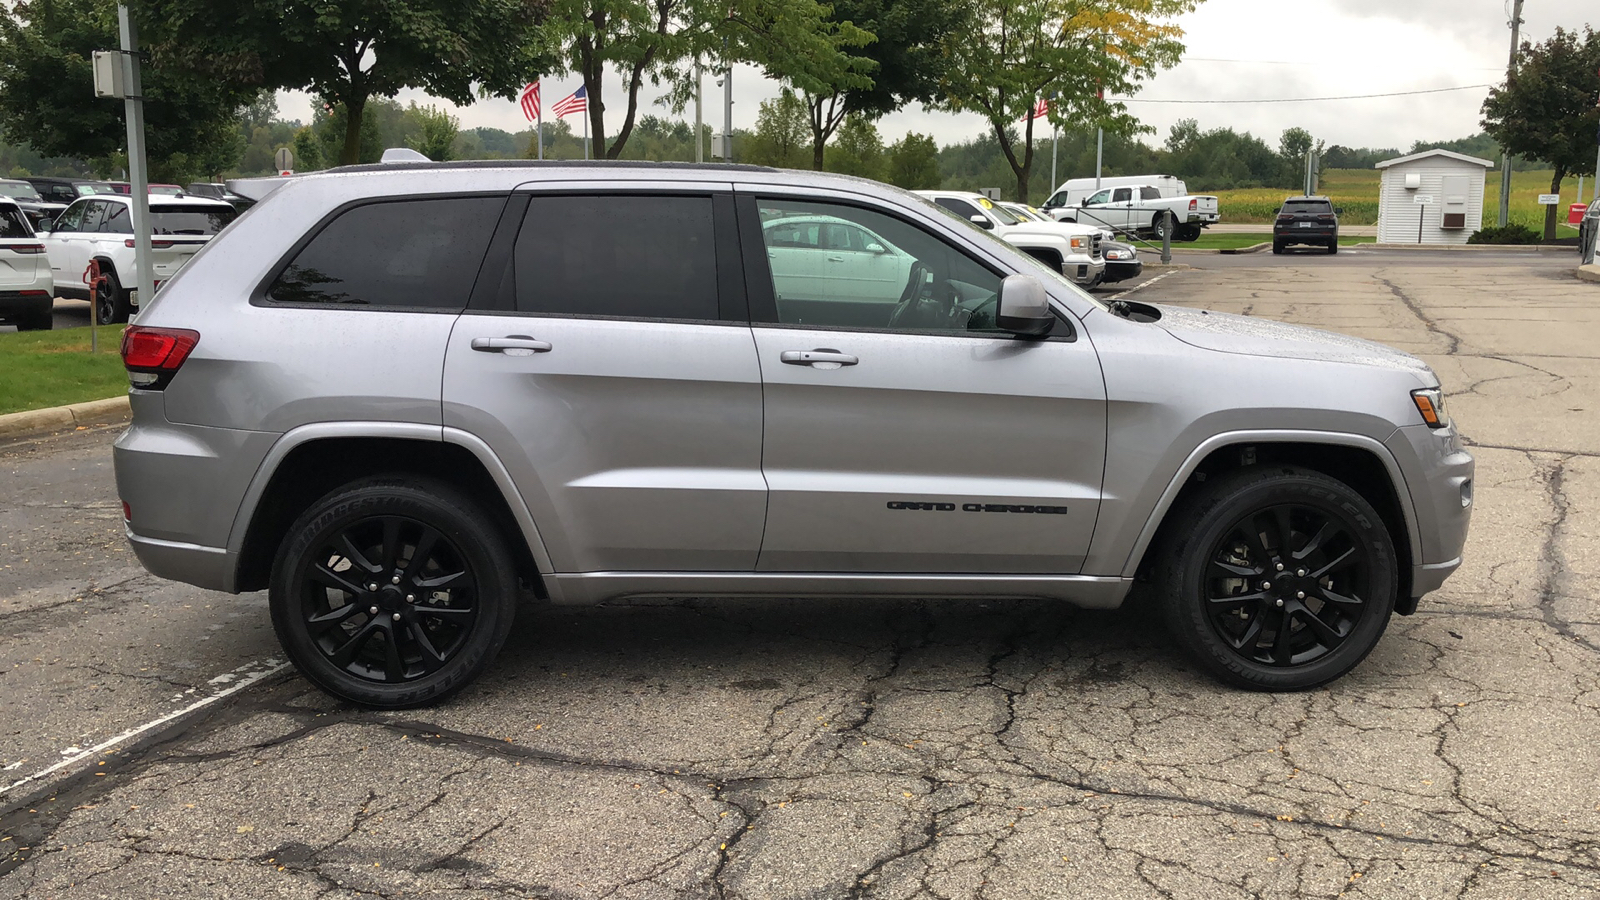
1512, 233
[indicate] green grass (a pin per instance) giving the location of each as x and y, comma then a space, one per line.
40, 369
1356, 190
1236, 241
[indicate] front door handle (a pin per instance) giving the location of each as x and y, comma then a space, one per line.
512, 345
823, 357
835, 259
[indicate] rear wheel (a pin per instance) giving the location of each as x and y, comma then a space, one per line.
1333, 247
1278, 578
393, 592
110, 300
1277, 247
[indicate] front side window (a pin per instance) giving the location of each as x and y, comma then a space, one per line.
410, 254
73, 217
1098, 199
904, 279
619, 257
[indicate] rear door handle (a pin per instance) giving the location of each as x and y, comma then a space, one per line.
824, 356
514, 342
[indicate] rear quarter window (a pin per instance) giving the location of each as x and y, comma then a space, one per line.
409, 254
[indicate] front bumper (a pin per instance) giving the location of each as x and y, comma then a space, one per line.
1439, 477
1083, 270
1123, 270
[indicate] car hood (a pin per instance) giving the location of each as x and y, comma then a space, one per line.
1251, 336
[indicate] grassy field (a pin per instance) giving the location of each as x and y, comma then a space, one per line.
40, 369
1357, 191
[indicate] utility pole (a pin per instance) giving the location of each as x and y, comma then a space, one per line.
1505, 155
138, 179
1099, 155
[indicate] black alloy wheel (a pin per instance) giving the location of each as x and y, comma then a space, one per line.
392, 593
1278, 578
110, 300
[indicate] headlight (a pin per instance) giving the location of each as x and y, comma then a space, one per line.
1119, 254
1079, 243
1430, 402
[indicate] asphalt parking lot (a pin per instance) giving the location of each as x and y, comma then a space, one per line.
738, 748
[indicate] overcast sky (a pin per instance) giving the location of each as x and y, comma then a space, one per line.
1237, 50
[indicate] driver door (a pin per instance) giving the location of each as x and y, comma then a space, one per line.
938, 446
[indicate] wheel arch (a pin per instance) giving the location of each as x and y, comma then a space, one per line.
308, 462
1047, 255
1359, 461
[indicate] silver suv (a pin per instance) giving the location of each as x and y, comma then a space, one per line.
402, 397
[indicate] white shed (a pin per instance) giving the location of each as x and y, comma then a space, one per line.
1434, 197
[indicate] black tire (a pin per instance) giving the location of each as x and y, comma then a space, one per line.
1187, 233
442, 619
1334, 246
110, 300
1336, 590
1159, 227
1277, 248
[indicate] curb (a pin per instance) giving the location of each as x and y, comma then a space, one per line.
1476, 248
1590, 272
58, 418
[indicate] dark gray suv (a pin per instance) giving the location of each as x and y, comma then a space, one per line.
402, 397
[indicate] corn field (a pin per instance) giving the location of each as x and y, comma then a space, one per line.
1356, 190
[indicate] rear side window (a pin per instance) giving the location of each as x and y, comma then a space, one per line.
1149, 193
419, 254
13, 224
120, 221
617, 257
203, 220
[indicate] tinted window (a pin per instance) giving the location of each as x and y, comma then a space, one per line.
1149, 193
904, 279
413, 253
1122, 195
960, 207
13, 224
56, 193
120, 221
94, 217
69, 220
623, 257
168, 219
1308, 206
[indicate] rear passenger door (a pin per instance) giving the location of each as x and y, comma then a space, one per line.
607, 360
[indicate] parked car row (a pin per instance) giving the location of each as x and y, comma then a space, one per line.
1073, 250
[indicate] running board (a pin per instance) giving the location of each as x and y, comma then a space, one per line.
592, 588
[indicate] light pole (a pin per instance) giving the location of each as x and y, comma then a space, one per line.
1505, 155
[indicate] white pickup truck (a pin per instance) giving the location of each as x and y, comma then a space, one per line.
1073, 250
1137, 209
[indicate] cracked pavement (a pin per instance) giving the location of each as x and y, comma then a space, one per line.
871, 749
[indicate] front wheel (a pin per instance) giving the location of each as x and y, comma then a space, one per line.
1278, 578
393, 592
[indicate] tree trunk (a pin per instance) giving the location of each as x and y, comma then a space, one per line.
1551, 212
353, 108
596, 112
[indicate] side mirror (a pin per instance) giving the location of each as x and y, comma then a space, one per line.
877, 248
45, 225
1338, 210
983, 222
1024, 306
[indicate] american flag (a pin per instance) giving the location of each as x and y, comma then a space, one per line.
530, 101
577, 103
1040, 109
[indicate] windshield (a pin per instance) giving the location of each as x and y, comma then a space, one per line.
19, 190
1037, 267
999, 212
190, 219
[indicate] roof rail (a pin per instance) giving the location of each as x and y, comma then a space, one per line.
403, 155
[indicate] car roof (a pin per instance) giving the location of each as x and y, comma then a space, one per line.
1304, 197
161, 200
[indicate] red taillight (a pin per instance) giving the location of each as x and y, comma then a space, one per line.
127, 512
157, 245
153, 355
1194, 205
1325, 218
26, 248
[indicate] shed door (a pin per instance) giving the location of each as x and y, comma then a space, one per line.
1457, 192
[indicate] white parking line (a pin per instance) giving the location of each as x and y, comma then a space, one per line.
1139, 287
236, 681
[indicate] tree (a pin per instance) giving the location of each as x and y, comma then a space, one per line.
780, 132
660, 40
1546, 109
1020, 51
858, 150
437, 132
45, 97
349, 51
904, 63
914, 162
307, 151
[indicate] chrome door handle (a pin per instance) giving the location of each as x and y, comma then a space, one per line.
511, 342
813, 357
835, 259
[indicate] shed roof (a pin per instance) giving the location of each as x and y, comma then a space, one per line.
1448, 154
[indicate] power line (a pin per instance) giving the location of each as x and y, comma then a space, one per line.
1467, 87
1285, 62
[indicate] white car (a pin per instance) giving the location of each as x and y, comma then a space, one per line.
1072, 249
100, 228
810, 253
26, 289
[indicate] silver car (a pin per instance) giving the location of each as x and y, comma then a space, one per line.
403, 397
